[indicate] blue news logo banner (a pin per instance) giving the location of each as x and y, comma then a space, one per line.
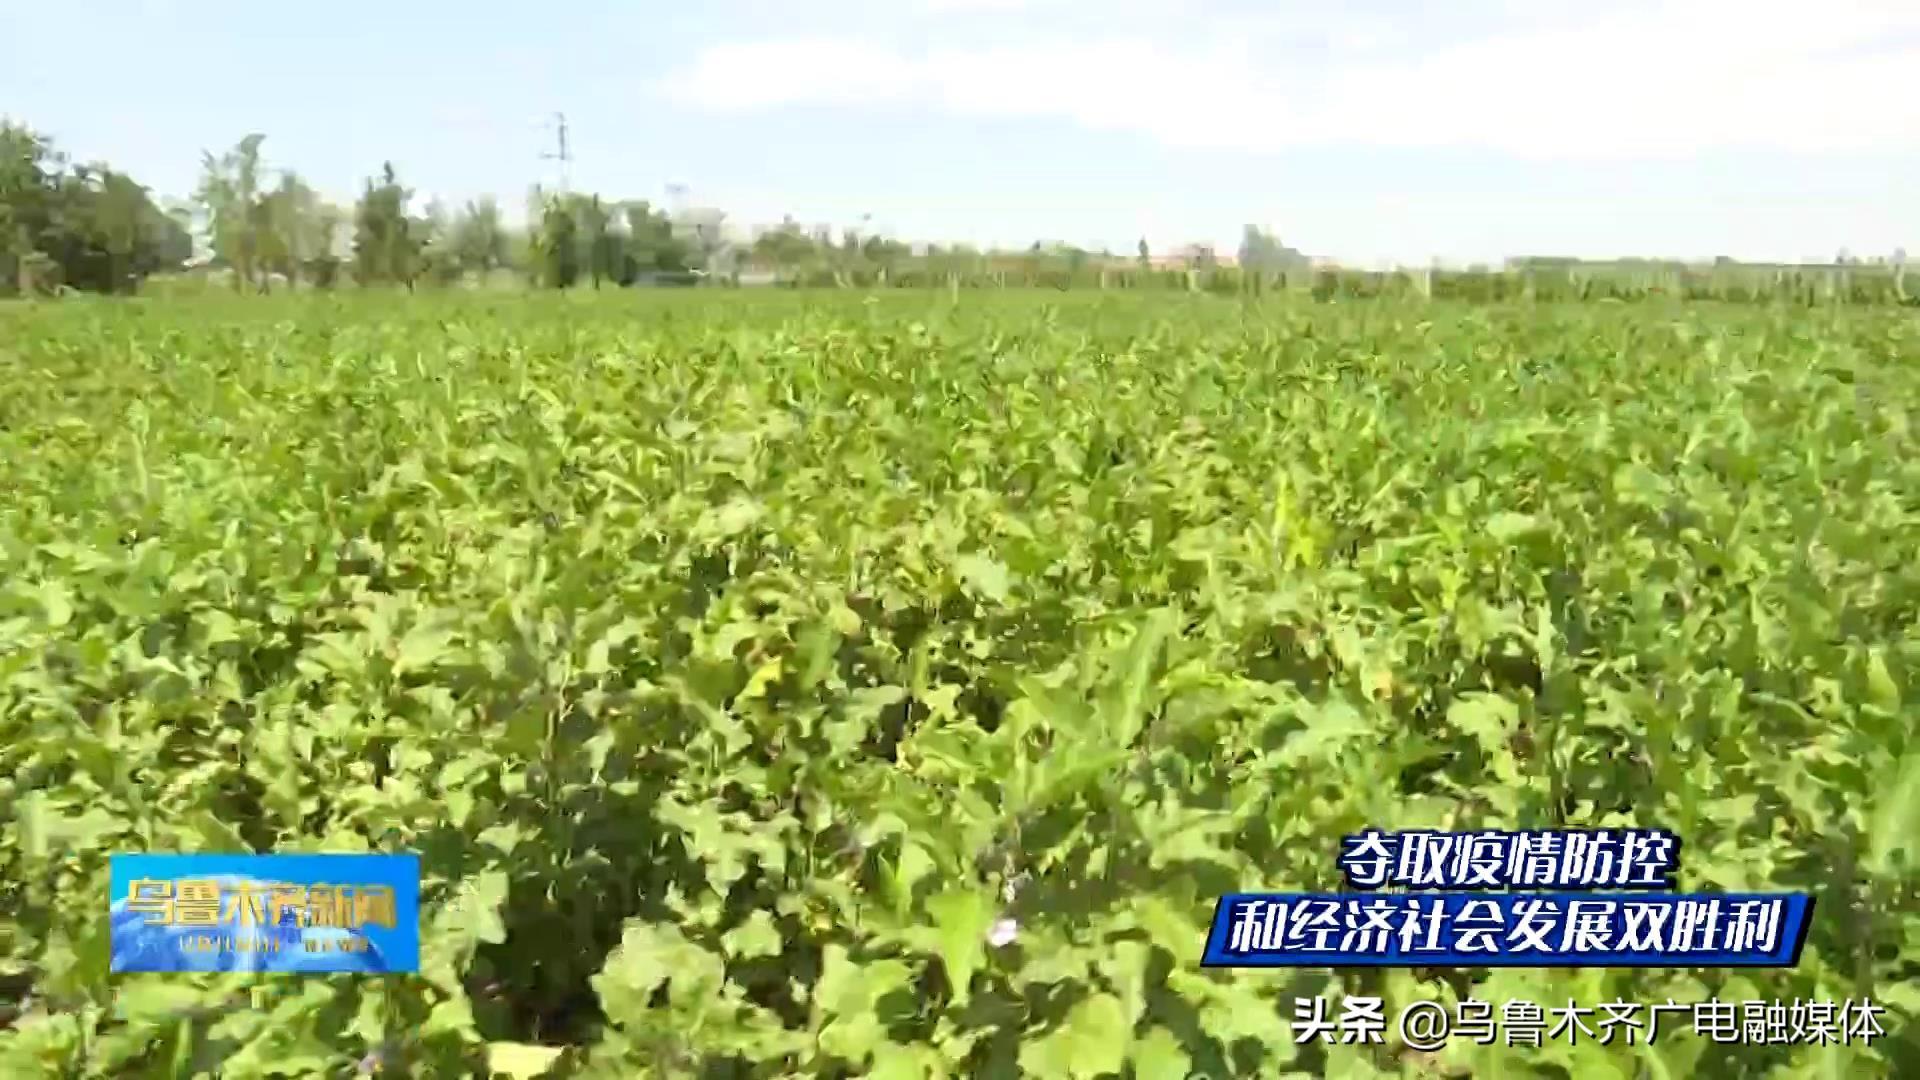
265, 913
1508, 930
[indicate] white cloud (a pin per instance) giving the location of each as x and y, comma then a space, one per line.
795, 71
1660, 80
941, 7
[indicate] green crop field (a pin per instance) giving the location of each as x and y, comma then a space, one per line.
809, 685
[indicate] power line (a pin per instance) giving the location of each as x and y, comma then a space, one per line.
563, 156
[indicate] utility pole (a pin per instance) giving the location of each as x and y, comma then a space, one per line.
562, 156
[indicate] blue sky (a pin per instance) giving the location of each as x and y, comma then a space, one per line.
1369, 131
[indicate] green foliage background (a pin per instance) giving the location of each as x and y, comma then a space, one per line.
731, 661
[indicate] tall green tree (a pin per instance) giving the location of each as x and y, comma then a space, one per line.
79, 226
229, 197
1261, 250
385, 250
433, 235
478, 240
595, 235
294, 229
786, 248
884, 254
323, 265
653, 247
120, 220
556, 242
27, 194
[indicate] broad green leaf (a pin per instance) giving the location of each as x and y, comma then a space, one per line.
1506, 526
1880, 685
1158, 1053
421, 648
960, 923
521, 1061
1489, 718
985, 575
149, 1000
1895, 820
757, 936
1093, 1040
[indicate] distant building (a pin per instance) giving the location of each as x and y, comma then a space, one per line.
1190, 257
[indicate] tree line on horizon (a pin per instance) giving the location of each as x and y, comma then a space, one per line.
91, 228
